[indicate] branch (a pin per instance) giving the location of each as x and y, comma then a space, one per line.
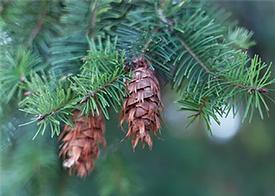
93, 93
170, 24
195, 57
252, 89
92, 19
41, 117
37, 28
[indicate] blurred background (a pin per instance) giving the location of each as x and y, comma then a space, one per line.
237, 159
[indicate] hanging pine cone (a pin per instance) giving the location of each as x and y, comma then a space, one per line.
142, 107
80, 144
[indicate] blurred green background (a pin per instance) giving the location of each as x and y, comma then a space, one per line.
238, 159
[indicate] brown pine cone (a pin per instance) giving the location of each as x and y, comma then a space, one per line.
142, 107
80, 144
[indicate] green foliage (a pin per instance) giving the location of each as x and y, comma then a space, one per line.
34, 28
200, 55
212, 71
49, 103
252, 81
101, 81
66, 55
99, 86
144, 34
241, 37
15, 68
93, 18
240, 84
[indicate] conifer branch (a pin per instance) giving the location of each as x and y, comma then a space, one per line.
68, 103
91, 29
195, 57
91, 46
170, 25
55, 111
38, 27
250, 89
187, 47
93, 93
221, 77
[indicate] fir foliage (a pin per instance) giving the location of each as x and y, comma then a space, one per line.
63, 55
92, 18
190, 45
58, 56
34, 28
101, 81
48, 103
98, 86
15, 67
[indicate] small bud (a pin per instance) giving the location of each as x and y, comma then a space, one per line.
263, 90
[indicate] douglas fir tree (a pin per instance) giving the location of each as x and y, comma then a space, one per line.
68, 63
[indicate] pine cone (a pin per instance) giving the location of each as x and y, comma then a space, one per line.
142, 107
80, 144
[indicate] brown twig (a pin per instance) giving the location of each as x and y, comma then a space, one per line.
37, 28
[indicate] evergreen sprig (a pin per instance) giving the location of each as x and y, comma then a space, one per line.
66, 55
241, 37
101, 83
15, 67
205, 65
99, 86
93, 18
34, 28
49, 103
